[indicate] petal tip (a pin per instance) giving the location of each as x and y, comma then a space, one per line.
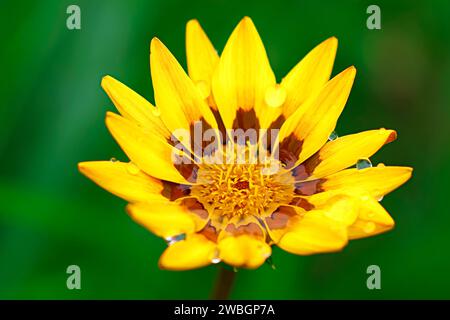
351, 70
155, 44
246, 19
332, 41
106, 79
246, 22
391, 137
110, 117
82, 167
193, 23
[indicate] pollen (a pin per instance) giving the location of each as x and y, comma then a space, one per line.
239, 190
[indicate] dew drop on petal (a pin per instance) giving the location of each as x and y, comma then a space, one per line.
369, 227
275, 96
363, 164
333, 136
269, 261
156, 111
380, 198
113, 159
171, 240
381, 165
216, 259
132, 168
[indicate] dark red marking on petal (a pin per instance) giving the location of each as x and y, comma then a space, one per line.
174, 191
188, 171
246, 120
290, 149
308, 188
302, 203
280, 218
194, 206
391, 137
305, 170
253, 229
210, 232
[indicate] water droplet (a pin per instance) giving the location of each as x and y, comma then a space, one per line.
363, 164
216, 259
380, 198
369, 227
275, 96
381, 165
132, 168
156, 111
171, 240
113, 159
333, 136
269, 261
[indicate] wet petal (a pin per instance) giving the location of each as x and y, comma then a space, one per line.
125, 180
309, 75
177, 97
195, 251
202, 58
134, 107
307, 130
242, 77
314, 233
244, 251
377, 181
152, 154
373, 219
346, 151
164, 218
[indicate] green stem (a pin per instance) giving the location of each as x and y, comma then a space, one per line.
224, 284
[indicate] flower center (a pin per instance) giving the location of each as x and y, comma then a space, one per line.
242, 189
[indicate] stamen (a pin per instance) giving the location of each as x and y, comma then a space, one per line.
242, 190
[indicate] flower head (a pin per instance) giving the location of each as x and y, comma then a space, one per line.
230, 162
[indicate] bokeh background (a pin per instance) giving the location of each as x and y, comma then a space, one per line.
52, 116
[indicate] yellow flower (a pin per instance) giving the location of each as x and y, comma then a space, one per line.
302, 196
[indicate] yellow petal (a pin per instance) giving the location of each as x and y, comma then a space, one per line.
244, 251
355, 208
309, 75
176, 96
151, 153
164, 218
238, 225
125, 180
202, 58
307, 130
280, 221
134, 107
242, 76
314, 233
195, 251
372, 219
340, 207
377, 181
346, 151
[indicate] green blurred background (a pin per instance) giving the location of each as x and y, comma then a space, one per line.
52, 116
